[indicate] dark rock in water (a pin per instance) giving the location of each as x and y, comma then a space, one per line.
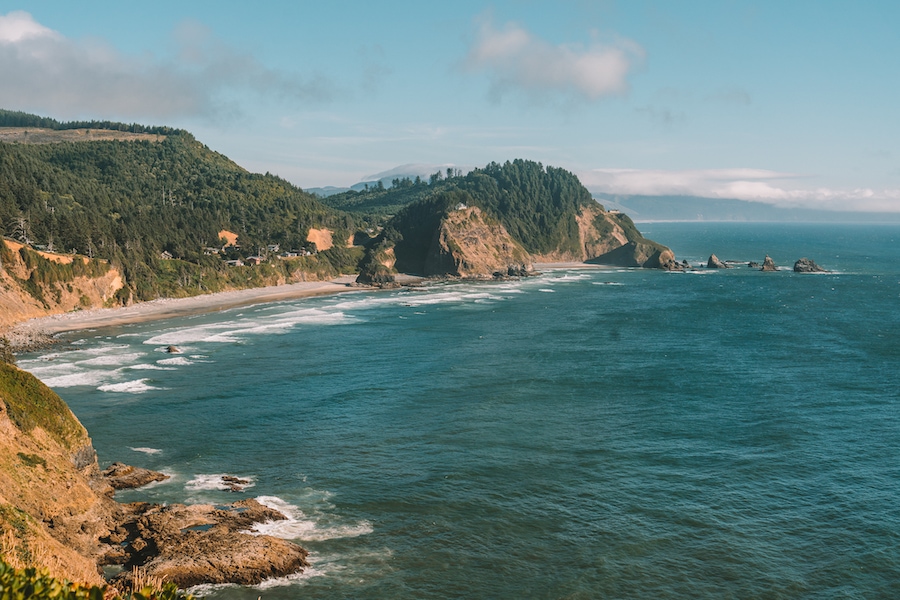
173, 350
190, 545
125, 477
753, 264
807, 265
768, 264
715, 263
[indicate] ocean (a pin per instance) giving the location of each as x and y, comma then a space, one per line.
589, 433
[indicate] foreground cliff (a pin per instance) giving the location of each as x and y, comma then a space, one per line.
57, 511
499, 220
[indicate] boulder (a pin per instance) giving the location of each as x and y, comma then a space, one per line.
125, 477
715, 263
768, 264
807, 265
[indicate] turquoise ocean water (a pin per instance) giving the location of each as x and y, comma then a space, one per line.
584, 434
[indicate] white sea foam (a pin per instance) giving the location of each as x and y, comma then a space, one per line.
92, 378
606, 283
148, 367
215, 481
112, 360
178, 361
298, 526
138, 386
147, 450
547, 290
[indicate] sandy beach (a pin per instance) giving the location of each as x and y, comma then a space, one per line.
37, 332
29, 333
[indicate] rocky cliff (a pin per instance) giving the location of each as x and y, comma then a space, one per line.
57, 511
37, 284
471, 244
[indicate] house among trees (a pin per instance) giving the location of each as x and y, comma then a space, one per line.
166, 255
254, 260
234, 263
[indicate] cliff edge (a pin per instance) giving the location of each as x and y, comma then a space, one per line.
57, 510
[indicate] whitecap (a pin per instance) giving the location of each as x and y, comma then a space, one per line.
299, 526
147, 450
547, 290
76, 379
179, 361
112, 360
138, 386
215, 481
147, 367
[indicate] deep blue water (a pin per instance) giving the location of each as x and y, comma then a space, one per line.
584, 434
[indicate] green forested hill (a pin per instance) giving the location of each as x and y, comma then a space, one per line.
536, 204
128, 201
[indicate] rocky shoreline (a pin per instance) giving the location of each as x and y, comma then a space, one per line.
190, 545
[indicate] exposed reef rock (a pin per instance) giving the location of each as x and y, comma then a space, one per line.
808, 265
768, 264
190, 545
753, 264
715, 263
125, 477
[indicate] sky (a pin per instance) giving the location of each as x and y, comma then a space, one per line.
789, 103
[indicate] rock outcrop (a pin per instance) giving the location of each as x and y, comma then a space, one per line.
57, 511
715, 263
470, 244
808, 265
125, 477
768, 264
190, 545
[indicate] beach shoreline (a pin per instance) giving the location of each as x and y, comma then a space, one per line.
41, 332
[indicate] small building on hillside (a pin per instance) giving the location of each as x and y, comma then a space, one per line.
234, 263
166, 255
254, 260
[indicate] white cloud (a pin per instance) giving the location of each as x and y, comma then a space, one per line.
757, 185
514, 58
42, 70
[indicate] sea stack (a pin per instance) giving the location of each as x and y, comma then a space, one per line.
768, 264
807, 265
715, 263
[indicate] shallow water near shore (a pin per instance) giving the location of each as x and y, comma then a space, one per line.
590, 433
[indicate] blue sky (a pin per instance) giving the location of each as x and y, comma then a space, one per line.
792, 103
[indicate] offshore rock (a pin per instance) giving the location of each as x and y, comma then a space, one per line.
768, 264
753, 264
715, 263
808, 265
190, 545
125, 477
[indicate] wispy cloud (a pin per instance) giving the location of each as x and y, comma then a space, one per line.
758, 185
516, 59
43, 70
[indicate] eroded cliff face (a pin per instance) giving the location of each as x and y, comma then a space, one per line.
37, 284
53, 507
57, 510
471, 244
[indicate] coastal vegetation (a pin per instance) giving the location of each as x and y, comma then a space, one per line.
138, 204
